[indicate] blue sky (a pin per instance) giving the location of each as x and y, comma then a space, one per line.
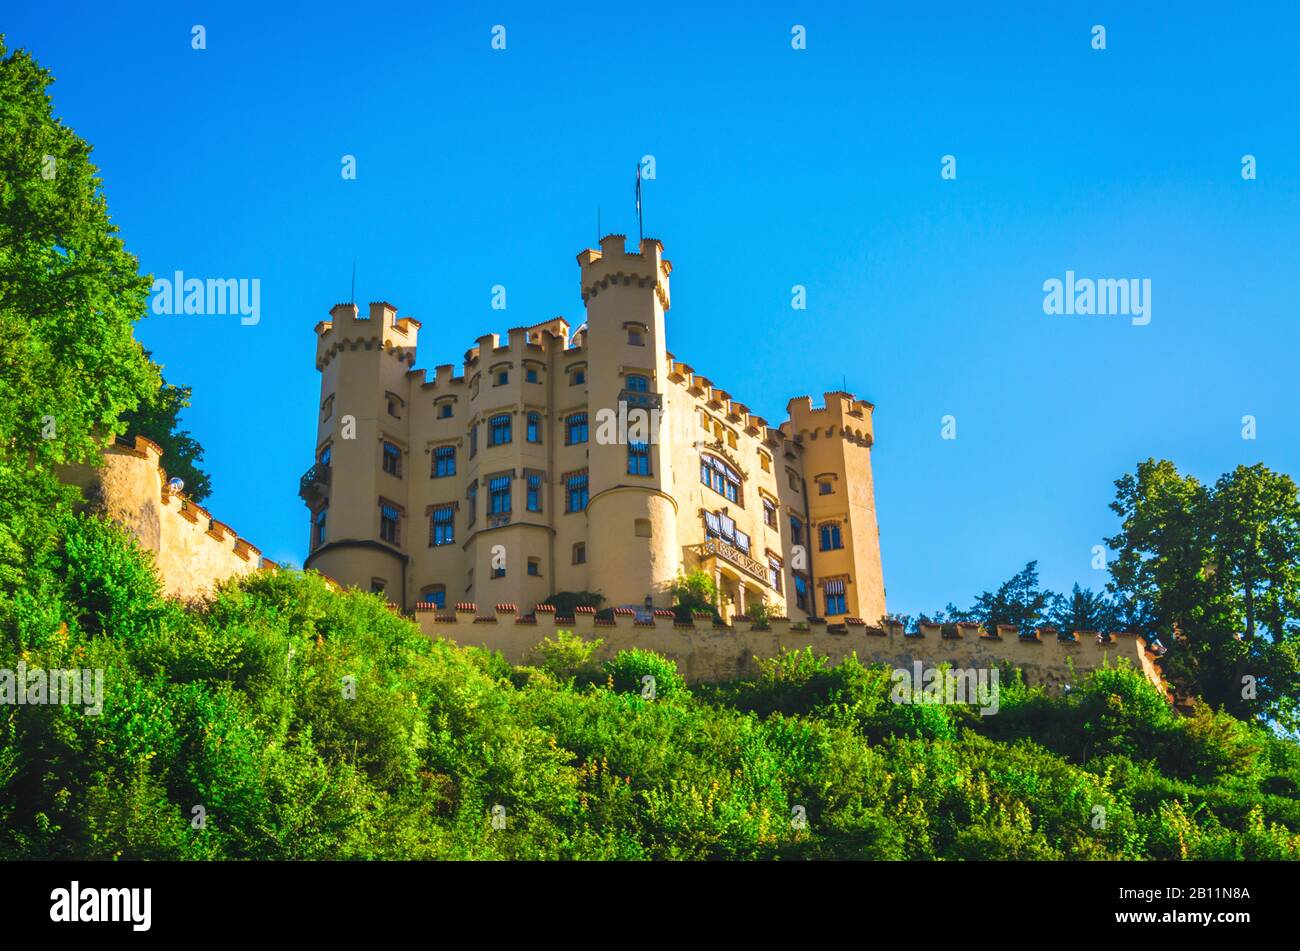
775, 167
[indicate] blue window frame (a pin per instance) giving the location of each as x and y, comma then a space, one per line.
392, 460
531, 375
575, 494
471, 503
442, 526
638, 383
830, 536
801, 592
720, 477
444, 462
575, 429
437, 596
325, 455
320, 519
389, 518
835, 604
499, 495
796, 531
499, 431
534, 502
638, 458
534, 427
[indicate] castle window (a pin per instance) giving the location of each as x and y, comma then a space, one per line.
765, 462
636, 338
825, 487
392, 460
720, 477
769, 513
325, 453
502, 378
577, 377
534, 492
637, 383
318, 529
471, 503
731, 439
720, 525
327, 408
442, 526
575, 492
377, 585
638, 458
830, 536
473, 440
801, 592
435, 594
579, 554
389, 524
833, 592
444, 462
796, 531
392, 408
575, 429
444, 411
535, 567
774, 573
499, 495
534, 427
641, 528
705, 423
531, 375
499, 572
499, 433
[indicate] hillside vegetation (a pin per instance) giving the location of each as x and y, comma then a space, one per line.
244, 708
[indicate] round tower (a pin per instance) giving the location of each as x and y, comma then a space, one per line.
631, 512
357, 488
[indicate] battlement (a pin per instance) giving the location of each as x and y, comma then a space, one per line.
840, 411
720, 401
706, 651
614, 265
192, 551
380, 328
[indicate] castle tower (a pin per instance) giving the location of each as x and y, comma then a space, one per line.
363, 434
844, 536
631, 514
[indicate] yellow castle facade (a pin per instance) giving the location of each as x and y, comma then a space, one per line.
583, 461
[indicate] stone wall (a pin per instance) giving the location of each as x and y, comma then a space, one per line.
192, 551
708, 652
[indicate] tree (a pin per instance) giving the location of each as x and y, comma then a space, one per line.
1018, 601
158, 420
69, 294
694, 593
1085, 610
1215, 572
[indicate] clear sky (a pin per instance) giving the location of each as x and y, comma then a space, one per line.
775, 167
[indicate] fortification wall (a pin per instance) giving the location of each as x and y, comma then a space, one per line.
193, 552
708, 652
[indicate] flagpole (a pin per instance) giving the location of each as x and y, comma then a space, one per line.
639, 227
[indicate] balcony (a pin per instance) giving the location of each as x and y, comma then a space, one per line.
636, 399
498, 520
314, 484
717, 548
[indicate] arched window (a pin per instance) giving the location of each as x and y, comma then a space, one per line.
637, 383
720, 477
435, 594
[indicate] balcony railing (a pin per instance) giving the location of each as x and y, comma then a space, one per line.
315, 481
496, 521
716, 546
637, 399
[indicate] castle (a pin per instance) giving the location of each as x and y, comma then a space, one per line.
591, 461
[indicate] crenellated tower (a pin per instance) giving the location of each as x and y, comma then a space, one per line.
636, 553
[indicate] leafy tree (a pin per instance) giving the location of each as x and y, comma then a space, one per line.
694, 593
1085, 610
1215, 573
69, 293
157, 419
1018, 601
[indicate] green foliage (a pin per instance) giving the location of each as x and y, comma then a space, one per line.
565, 601
629, 668
695, 593
1215, 572
158, 420
313, 724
